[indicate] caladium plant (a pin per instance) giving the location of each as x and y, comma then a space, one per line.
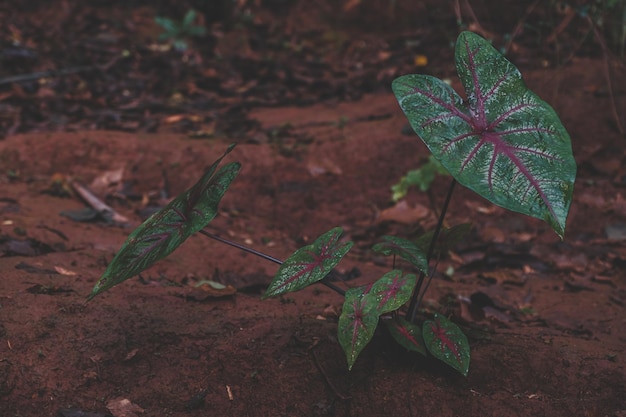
501, 141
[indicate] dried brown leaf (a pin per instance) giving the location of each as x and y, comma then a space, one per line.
402, 212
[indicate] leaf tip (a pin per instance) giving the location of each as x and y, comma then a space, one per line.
93, 294
230, 148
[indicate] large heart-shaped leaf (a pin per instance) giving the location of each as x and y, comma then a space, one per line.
357, 323
309, 264
503, 141
165, 230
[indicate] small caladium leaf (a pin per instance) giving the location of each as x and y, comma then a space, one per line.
309, 264
357, 323
407, 334
422, 178
189, 18
503, 142
165, 230
392, 290
405, 249
446, 342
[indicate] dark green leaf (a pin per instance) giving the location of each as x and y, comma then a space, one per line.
309, 264
448, 237
180, 44
504, 142
170, 27
403, 248
446, 342
357, 323
407, 334
196, 31
165, 230
190, 16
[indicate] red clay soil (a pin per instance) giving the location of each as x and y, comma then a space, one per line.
545, 318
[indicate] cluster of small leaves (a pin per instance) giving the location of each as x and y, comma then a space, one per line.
422, 178
364, 306
440, 337
179, 32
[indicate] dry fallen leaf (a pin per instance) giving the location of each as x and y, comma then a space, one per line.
64, 271
603, 279
323, 166
567, 262
478, 207
492, 234
503, 276
403, 213
350, 4
107, 182
210, 289
122, 407
131, 354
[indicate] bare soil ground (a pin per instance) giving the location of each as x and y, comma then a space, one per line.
545, 318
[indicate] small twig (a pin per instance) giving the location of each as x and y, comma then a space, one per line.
477, 26
607, 74
327, 379
45, 74
430, 279
520, 25
242, 247
569, 15
97, 204
58, 73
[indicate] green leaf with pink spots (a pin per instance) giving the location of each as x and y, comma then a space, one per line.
392, 291
168, 228
309, 264
357, 322
446, 342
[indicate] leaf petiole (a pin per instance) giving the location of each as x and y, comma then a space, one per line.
325, 281
415, 299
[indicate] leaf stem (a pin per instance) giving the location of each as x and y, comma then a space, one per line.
430, 278
325, 281
410, 314
242, 247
